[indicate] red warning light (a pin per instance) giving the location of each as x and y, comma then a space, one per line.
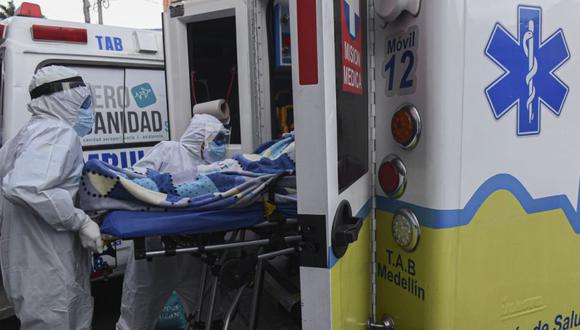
28, 9
392, 176
59, 33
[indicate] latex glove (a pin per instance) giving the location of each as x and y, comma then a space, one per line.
90, 235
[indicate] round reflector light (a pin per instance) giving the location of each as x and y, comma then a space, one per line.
406, 126
406, 230
392, 176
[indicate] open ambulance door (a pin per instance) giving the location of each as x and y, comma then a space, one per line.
331, 113
310, 76
208, 57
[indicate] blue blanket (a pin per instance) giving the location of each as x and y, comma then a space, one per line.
233, 183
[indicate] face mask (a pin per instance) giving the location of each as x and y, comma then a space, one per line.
215, 152
85, 118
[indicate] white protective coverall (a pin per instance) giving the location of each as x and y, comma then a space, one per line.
45, 269
148, 284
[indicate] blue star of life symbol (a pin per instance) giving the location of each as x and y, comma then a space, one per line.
529, 66
352, 13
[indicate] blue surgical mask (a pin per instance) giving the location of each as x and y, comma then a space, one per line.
215, 152
85, 119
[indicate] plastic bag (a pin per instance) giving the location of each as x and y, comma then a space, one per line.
172, 315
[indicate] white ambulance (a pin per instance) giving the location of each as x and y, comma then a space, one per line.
448, 128
125, 70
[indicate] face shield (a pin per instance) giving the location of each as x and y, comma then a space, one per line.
68, 98
223, 137
86, 117
216, 146
57, 86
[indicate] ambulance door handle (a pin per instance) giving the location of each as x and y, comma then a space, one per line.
345, 229
347, 234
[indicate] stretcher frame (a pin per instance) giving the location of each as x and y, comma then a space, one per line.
281, 242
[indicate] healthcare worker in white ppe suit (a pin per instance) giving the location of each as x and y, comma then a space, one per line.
45, 240
148, 284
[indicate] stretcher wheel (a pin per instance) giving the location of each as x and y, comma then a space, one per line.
237, 272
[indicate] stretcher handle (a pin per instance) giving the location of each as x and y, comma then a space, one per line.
225, 246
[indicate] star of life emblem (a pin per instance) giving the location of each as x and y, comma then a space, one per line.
529, 64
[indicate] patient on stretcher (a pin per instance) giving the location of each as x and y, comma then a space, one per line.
231, 183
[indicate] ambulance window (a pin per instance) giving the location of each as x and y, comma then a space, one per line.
213, 66
130, 107
280, 68
351, 97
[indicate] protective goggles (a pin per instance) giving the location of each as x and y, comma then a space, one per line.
222, 138
57, 86
87, 103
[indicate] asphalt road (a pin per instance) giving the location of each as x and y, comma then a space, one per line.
108, 300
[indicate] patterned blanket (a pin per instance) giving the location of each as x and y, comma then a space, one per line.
232, 183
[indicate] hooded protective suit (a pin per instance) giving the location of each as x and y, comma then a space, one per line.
44, 267
148, 284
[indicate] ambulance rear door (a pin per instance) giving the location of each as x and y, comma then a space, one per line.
208, 57
331, 111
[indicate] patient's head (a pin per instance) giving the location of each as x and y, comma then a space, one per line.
206, 138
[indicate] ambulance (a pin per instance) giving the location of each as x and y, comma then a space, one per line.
125, 70
437, 169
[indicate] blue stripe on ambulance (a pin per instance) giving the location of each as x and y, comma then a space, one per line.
122, 159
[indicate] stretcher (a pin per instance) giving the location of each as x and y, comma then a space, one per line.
234, 245
136, 224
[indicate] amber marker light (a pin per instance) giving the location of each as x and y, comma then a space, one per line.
406, 127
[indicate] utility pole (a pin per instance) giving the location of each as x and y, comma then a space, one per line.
100, 8
99, 5
87, 10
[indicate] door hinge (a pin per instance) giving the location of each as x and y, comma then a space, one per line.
176, 11
386, 324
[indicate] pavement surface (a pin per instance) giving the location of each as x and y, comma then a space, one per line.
107, 296
108, 301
